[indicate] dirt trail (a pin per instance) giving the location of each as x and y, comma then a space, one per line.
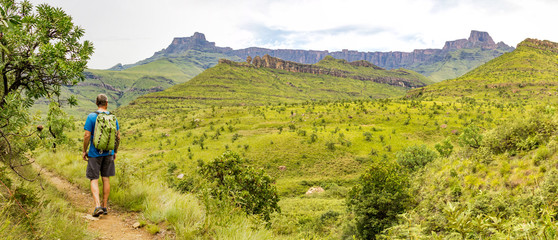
117, 224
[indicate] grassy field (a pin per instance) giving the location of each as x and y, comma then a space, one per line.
325, 144
36, 210
500, 185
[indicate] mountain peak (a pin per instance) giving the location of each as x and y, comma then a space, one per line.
476, 39
480, 37
195, 42
199, 36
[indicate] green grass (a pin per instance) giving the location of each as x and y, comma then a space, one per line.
240, 84
44, 212
526, 74
147, 76
330, 141
456, 63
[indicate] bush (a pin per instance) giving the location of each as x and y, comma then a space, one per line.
415, 157
444, 148
521, 134
367, 136
470, 137
381, 194
248, 188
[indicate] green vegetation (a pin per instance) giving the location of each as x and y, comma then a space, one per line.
524, 75
231, 180
381, 194
415, 157
40, 51
145, 77
239, 84
456, 63
474, 188
315, 156
357, 70
160, 144
27, 212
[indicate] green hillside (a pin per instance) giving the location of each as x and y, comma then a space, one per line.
478, 166
144, 77
456, 63
528, 73
231, 83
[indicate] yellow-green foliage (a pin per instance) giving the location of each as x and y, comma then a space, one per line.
328, 144
487, 193
36, 210
528, 74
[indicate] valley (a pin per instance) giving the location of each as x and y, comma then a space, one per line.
502, 147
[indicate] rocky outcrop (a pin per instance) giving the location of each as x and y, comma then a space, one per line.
476, 39
195, 42
388, 60
544, 45
267, 61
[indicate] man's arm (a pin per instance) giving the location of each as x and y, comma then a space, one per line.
86, 138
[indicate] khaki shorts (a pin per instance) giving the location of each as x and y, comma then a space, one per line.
103, 165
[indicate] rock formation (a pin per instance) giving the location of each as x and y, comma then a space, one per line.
476, 39
276, 63
388, 60
195, 42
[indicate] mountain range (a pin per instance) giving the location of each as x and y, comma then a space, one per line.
454, 59
269, 80
187, 57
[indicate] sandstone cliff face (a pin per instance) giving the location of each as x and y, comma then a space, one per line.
276, 63
388, 60
195, 42
476, 39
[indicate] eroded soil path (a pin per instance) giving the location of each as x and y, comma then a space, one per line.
117, 224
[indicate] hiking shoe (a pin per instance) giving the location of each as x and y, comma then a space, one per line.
98, 211
105, 211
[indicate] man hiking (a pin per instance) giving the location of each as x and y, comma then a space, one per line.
102, 153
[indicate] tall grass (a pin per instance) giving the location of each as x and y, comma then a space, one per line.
136, 190
39, 211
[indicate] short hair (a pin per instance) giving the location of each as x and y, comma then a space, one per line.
102, 100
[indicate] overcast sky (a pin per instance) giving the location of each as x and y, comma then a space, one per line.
126, 31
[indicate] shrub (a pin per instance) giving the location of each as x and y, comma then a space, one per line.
313, 138
415, 157
330, 145
521, 134
367, 136
470, 137
248, 188
380, 195
444, 148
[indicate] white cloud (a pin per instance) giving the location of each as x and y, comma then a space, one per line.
130, 30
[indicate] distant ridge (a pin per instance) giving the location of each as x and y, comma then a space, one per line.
399, 78
266, 80
440, 64
528, 73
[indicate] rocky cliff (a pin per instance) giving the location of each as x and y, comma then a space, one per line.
400, 78
195, 42
415, 60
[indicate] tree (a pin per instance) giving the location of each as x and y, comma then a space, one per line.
415, 157
40, 51
381, 194
470, 137
248, 188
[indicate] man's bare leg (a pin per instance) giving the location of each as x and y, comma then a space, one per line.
95, 191
106, 191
